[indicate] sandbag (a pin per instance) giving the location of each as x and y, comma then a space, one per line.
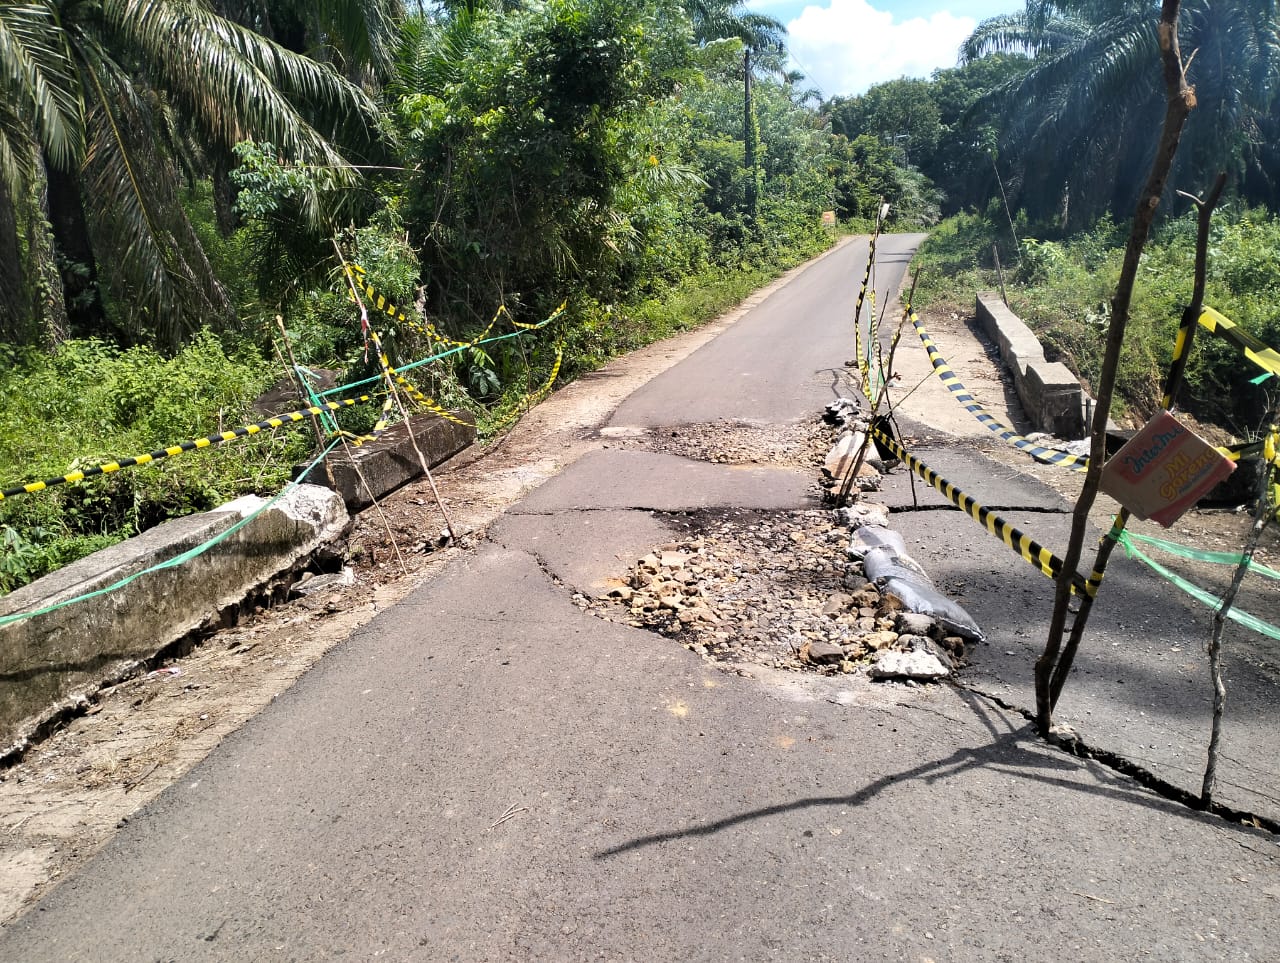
926, 600
899, 575
881, 563
872, 536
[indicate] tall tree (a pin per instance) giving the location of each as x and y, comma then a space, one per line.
760, 34
96, 95
1068, 124
517, 127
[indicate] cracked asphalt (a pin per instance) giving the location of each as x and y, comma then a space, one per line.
486, 772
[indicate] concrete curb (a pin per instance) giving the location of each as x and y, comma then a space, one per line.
390, 462
1050, 394
53, 659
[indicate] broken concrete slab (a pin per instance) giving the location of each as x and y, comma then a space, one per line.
391, 461
66, 648
669, 483
586, 550
918, 665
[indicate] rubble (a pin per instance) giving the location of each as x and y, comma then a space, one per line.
808, 591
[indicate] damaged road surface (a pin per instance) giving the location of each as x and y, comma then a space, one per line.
493, 770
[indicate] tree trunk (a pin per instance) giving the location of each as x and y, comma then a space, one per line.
749, 137
16, 322
1179, 103
224, 195
77, 266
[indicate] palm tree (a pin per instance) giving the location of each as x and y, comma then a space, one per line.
1077, 126
727, 20
97, 97
760, 35
357, 36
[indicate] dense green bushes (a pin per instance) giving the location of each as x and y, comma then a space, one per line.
90, 403
1062, 288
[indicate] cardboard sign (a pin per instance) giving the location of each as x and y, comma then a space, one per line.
1163, 470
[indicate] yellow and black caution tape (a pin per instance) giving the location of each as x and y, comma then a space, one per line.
864, 356
970, 404
1265, 357
384, 306
535, 396
244, 431
1050, 456
1030, 550
388, 406
429, 403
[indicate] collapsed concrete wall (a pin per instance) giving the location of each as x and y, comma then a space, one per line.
49, 657
363, 473
1050, 394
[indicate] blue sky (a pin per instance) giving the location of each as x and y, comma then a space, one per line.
845, 46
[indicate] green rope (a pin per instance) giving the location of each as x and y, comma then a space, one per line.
172, 562
1201, 595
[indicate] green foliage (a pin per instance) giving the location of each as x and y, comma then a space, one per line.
90, 403
517, 124
901, 113
103, 104
1079, 125
1062, 289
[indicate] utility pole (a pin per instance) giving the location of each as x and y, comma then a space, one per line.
749, 137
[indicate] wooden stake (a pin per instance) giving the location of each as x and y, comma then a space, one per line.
1180, 101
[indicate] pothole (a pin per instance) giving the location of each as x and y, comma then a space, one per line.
734, 443
772, 589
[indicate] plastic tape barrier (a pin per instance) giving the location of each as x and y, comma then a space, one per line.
970, 404
535, 396
1196, 592
429, 403
383, 306
864, 363
177, 560
1196, 555
1030, 550
1266, 358
279, 421
1050, 456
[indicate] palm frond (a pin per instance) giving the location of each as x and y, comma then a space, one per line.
240, 85
160, 279
38, 78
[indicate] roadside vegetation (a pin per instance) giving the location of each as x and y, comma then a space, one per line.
167, 255
1062, 287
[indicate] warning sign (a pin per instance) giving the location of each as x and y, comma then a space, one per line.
1163, 470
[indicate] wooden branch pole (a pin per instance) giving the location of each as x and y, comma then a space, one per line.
847, 486
1179, 103
1261, 516
450, 531
1186, 338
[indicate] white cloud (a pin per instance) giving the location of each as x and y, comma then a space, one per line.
849, 45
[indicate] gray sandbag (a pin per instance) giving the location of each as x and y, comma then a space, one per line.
882, 562
899, 575
926, 600
872, 536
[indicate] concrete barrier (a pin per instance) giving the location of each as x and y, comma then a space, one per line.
1050, 394
49, 658
391, 461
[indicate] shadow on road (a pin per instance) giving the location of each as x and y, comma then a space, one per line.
1014, 750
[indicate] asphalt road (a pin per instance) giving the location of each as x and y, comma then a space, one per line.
486, 772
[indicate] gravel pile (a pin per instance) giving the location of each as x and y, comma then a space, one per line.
736, 443
776, 589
